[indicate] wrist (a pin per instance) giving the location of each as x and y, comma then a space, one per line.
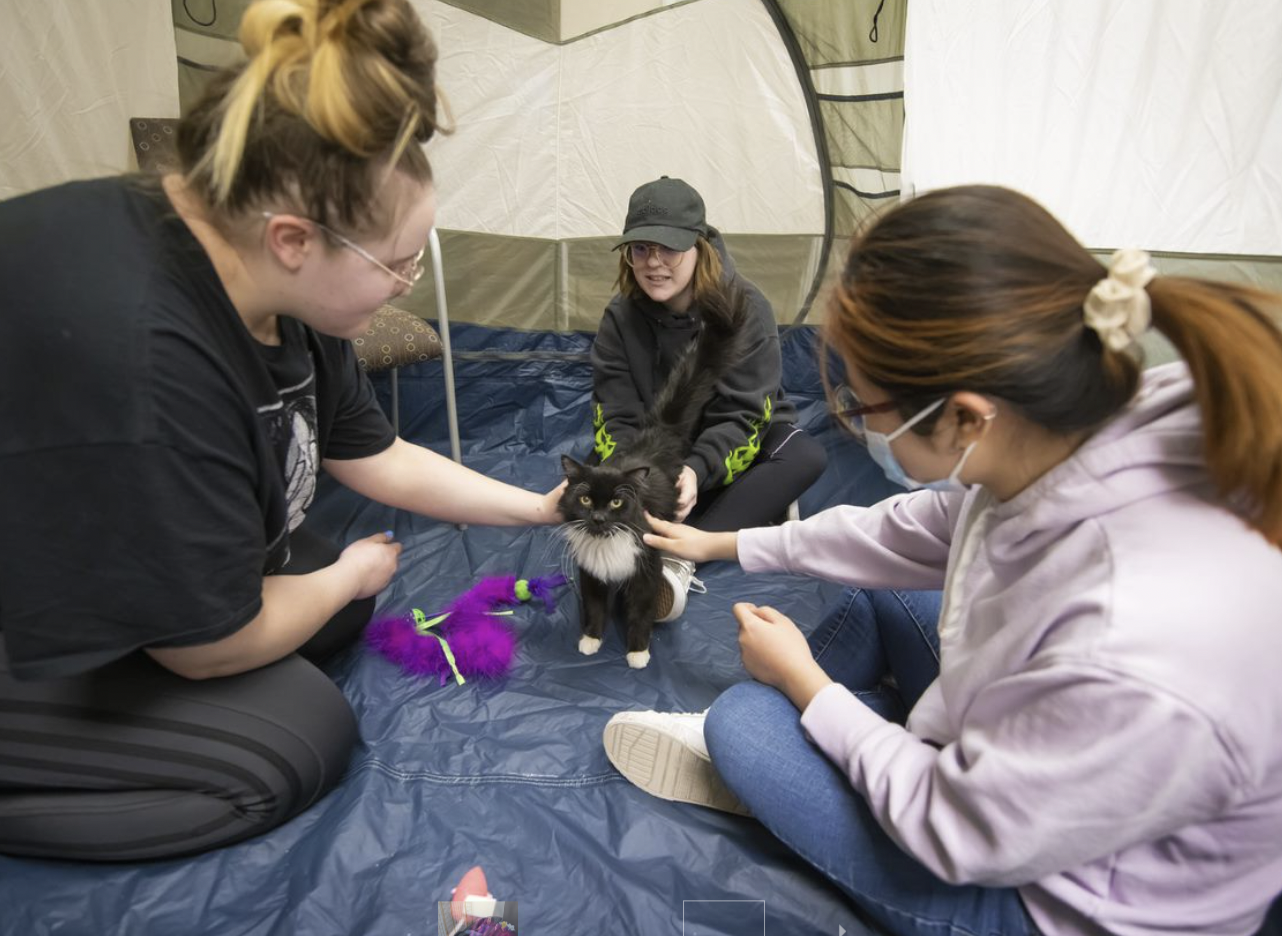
544, 512
805, 684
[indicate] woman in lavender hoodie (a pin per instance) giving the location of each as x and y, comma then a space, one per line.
1093, 733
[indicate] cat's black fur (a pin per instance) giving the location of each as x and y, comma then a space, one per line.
604, 504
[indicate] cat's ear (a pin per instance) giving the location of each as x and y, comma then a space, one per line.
639, 474
573, 470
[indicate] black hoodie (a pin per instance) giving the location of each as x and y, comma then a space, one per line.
636, 345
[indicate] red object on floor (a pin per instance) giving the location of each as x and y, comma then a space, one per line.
472, 885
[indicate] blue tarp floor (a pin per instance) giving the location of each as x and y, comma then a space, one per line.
511, 774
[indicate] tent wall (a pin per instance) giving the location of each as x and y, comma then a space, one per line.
555, 134
73, 73
788, 114
1143, 123
850, 61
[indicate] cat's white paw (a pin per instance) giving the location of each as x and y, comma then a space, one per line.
589, 645
639, 660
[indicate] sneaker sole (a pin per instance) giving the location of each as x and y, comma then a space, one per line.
666, 768
663, 612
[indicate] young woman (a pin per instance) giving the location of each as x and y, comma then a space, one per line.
1091, 743
750, 460
174, 373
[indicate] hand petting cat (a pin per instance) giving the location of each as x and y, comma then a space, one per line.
690, 543
687, 492
549, 509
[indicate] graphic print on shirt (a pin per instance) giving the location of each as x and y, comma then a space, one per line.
291, 427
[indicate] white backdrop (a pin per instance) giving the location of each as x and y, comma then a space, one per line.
1155, 123
72, 73
557, 137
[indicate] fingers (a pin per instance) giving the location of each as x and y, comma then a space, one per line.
387, 538
748, 614
659, 526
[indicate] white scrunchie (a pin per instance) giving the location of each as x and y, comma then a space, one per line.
1117, 307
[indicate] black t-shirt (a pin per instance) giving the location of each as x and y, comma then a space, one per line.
154, 457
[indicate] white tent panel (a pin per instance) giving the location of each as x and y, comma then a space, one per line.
71, 75
1143, 122
555, 138
497, 174
856, 80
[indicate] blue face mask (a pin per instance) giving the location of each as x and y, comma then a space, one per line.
879, 448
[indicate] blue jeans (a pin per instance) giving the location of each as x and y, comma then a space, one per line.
757, 745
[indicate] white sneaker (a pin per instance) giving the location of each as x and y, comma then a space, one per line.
664, 754
678, 576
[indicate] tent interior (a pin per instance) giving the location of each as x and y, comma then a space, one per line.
1145, 123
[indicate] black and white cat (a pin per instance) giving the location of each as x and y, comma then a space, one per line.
604, 505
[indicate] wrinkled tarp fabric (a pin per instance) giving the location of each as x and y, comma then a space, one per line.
510, 775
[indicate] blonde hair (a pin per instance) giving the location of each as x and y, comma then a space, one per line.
979, 288
708, 272
333, 92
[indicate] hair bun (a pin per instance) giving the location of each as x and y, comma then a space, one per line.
329, 86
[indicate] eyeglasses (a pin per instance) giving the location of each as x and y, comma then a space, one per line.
850, 410
638, 253
407, 273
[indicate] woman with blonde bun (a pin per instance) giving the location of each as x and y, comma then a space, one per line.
161, 609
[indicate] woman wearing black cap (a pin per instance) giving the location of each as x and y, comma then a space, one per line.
750, 460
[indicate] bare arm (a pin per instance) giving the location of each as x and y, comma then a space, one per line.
689, 543
294, 608
417, 479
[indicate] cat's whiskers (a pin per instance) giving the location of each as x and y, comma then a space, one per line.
565, 559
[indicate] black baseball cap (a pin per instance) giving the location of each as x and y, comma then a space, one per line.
668, 212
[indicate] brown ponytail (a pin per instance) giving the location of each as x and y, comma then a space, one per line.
332, 91
1229, 337
979, 288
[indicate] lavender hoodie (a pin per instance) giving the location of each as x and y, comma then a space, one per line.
1106, 730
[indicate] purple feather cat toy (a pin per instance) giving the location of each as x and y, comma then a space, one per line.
469, 637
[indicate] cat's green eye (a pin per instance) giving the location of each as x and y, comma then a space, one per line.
616, 503
585, 501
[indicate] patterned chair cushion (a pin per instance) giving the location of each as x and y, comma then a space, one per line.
396, 338
155, 143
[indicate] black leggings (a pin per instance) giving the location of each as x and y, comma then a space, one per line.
132, 762
789, 462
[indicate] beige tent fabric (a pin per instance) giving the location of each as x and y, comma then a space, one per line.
74, 73
1153, 124
854, 59
787, 194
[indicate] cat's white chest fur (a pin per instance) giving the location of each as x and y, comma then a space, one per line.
609, 559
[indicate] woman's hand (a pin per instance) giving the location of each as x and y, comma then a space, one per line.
374, 558
689, 543
687, 492
550, 507
775, 652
